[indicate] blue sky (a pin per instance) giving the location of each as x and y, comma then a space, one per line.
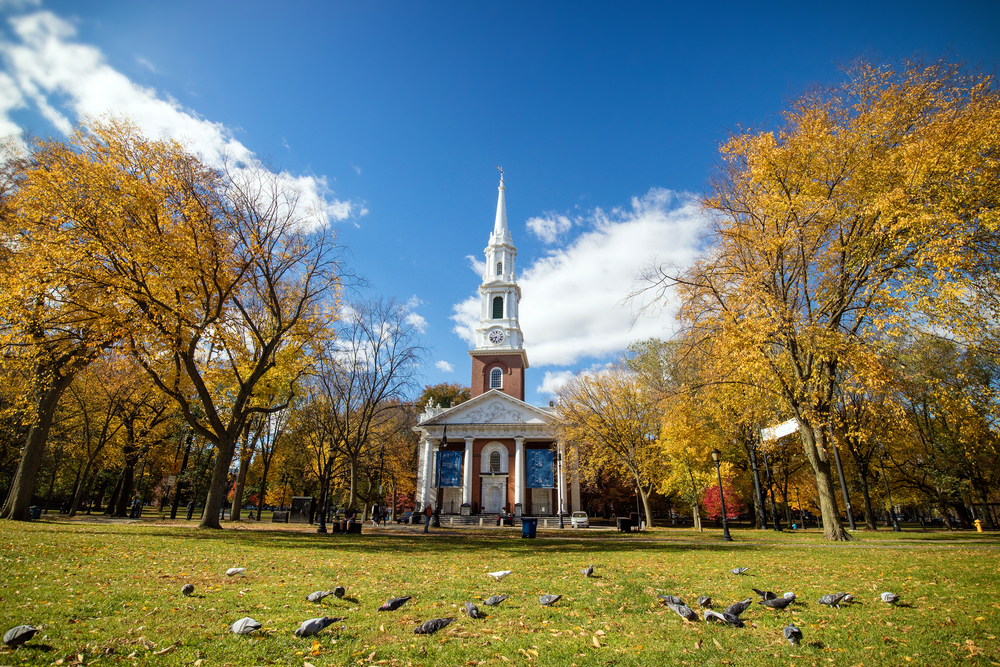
606, 117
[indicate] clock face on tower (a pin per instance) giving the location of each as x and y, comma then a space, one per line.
496, 336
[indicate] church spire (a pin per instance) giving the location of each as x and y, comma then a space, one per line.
500, 230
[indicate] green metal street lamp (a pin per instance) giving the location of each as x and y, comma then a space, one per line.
726, 537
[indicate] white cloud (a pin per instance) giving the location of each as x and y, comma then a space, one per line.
418, 322
549, 227
145, 63
357, 169
476, 264
444, 367
554, 381
65, 79
572, 305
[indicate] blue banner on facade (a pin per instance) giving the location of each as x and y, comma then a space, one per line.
449, 465
539, 468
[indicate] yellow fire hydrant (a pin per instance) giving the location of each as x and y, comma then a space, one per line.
979, 525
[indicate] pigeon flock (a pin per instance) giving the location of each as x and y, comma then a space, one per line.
730, 616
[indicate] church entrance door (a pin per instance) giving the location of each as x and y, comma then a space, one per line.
493, 495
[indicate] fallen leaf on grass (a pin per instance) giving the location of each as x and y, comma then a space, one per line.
163, 651
596, 641
697, 645
717, 644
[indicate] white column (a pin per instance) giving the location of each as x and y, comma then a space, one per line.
420, 495
519, 472
575, 477
467, 473
561, 482
428, 473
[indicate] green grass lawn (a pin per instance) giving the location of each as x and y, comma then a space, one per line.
110, 594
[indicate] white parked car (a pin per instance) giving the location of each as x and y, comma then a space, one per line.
580, 520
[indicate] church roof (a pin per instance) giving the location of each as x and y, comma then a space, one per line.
492, 407
501, 233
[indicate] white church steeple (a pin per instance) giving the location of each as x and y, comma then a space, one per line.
498, 329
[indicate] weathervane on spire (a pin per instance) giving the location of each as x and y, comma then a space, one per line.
501, 172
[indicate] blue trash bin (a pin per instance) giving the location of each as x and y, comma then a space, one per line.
528, 527
36, 513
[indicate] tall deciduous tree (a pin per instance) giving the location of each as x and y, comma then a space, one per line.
222, 268
870, 200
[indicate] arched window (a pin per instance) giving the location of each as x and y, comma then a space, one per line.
498, 307
495, 459
496, 379
499, 268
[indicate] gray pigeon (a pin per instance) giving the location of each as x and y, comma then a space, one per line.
473, 611
233, 571
671, 599
793, 635
777, 603
738, 608
314, 626
19, 635
338, 592
848, 598
789, 594
705, 602
684, 611
244, 626
833, 599
187, 590
889, 598
764, 595
547, 600
432, 626
394, 604
587, 571
317, 596
739, 570
494, 601
728, 619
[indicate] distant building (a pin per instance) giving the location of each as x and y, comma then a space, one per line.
500, 452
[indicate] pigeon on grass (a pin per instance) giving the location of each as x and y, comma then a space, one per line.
338, 592
233, 571
789, 594
792, 634
777, 603
684, 612
472, 611
494, 601
738, 608
187, 590
317, 596
244, 626
587, 571
432, 626
889, 598
705, 602
728, 619
500, 574
764, 595
394, 603
833, 599
739, 570
670, 599
314, 626
19, 635
548, 600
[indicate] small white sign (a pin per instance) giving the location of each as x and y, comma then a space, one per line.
779, 431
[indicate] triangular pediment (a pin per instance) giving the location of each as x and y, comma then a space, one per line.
493, 407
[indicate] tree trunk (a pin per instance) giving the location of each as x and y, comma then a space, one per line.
870, 522
241, 477
125, 487
81, 486
180, 476
813, 442
262, 495
353, 496
217, 488
17, 507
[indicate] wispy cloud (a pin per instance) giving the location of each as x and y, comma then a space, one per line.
357, 169
572, 307
549, 227
148, 65
70, 82
444, 367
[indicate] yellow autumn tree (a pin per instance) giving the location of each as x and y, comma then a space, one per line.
223, 269
869, 201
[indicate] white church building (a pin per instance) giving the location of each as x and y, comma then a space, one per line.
496, 451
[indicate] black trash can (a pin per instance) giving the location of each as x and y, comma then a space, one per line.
36, 513
634, 518
528, 527
624, 525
